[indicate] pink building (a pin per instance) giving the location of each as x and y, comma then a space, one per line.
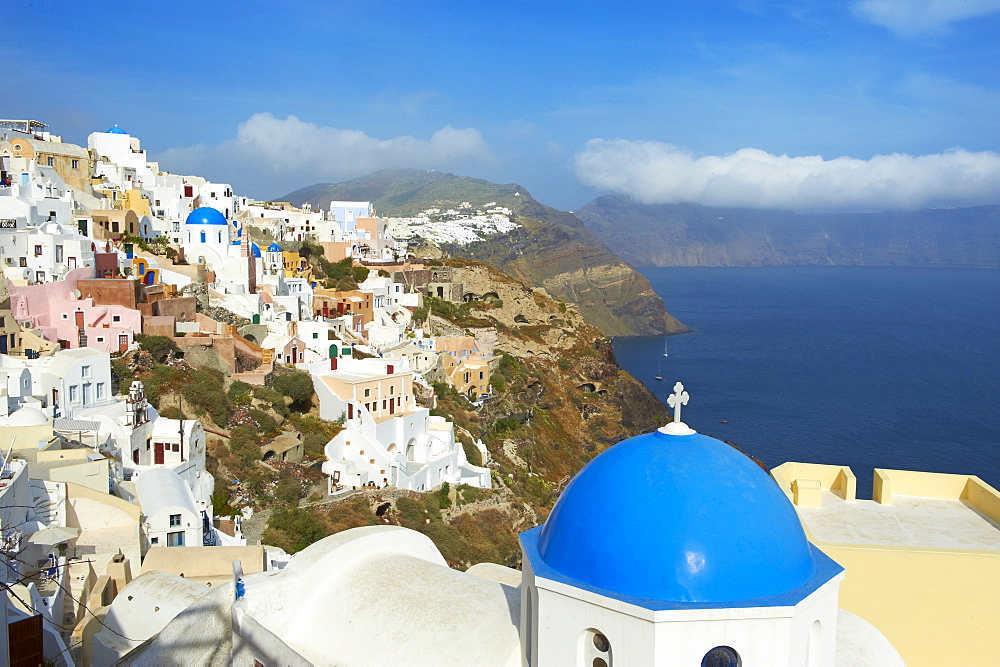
56, 310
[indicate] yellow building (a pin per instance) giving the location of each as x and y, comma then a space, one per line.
922, 557
469, 376
467, 369
296, 266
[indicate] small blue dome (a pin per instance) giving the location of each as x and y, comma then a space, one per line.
274, 247
115, 130
206, 215
255, 249
681, 519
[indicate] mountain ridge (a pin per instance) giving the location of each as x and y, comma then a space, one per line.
694, 235
552, 249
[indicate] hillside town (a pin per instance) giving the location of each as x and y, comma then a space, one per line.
178, 361
103, 253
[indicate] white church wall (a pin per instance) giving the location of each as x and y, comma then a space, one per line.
560, 617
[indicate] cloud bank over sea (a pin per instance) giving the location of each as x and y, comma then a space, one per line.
289, 153
658, 173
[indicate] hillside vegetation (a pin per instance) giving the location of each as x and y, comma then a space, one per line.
562, 399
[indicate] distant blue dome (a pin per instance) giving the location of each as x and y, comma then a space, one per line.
115, 130
255, 249
677, 519
206, 215
274, 247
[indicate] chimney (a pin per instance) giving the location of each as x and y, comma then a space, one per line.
333, 363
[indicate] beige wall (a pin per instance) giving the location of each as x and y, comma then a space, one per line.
205, 565
937, 607
93, 475
25, 437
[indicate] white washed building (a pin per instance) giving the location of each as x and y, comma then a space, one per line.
387, 439
170, 516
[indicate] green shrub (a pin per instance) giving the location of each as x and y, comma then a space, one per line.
158, 346
472, 453
244, 443
288, 491
412, 513
239, 393
469, 494
266, 424
203, 390
297, 386
444, 496
505, 425
294, 528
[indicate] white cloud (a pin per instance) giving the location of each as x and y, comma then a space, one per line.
275, 153
658, 173
913, 18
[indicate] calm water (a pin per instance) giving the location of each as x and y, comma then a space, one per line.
866, 367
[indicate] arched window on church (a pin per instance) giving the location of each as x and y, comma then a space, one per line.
815, 646
721, 656
596, 649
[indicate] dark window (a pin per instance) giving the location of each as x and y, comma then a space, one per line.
175, 520
721, 656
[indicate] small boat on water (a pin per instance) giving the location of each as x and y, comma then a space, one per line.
659, 363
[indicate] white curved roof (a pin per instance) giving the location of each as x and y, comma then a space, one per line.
144, 607
377, 595
27, 416
160, 488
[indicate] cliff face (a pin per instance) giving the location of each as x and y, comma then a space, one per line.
691, 235
564, 398
611, 294
552, 249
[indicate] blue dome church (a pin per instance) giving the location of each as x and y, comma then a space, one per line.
675, 548
208, 238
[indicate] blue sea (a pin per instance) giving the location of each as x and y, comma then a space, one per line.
859, 366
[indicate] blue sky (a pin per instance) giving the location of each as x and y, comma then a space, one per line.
806, 104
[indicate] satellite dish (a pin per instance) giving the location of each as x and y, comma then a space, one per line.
76, 293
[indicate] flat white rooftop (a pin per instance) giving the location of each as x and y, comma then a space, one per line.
910, 521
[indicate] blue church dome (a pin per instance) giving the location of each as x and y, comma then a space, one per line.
255, 249
274, 247
676, 519
115, 130
206, 215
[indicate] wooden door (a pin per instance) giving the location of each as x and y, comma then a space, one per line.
158, 453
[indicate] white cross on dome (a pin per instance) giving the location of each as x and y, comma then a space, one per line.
676, 400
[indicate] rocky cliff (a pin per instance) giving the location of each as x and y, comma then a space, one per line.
692, 235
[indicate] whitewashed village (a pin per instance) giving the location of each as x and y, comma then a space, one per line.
100, 250
178, 361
